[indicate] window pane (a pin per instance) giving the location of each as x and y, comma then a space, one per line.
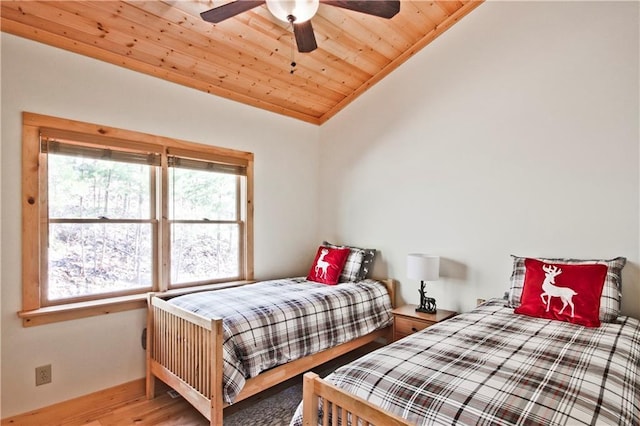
88, 188
200, 194
86, 259
201, 252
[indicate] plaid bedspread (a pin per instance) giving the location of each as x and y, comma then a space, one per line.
494, 367
273, 322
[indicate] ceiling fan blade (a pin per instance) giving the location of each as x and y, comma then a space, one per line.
305, 39
382, 8
220, 13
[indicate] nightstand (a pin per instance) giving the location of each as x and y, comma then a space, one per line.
407, 321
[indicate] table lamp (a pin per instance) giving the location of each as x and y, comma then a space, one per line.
424, 267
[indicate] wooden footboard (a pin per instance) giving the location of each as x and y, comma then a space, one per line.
184, 350
340, 407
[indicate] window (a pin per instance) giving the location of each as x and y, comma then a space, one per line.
110, 213
101, 221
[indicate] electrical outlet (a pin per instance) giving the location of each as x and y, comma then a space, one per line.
43, 375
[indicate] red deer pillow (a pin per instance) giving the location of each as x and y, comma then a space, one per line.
563, 292
328, 264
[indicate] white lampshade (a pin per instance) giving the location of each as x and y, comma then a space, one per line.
423, 267
301, 10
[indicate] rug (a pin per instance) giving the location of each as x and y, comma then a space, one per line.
276, 406
275, 410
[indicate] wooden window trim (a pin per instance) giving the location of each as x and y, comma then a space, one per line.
33, 313
69, 311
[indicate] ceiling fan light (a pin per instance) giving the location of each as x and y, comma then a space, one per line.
301, 10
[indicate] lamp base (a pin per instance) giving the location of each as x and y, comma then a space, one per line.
427, 305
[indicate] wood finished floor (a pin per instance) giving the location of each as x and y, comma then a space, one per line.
163, 410
167, 411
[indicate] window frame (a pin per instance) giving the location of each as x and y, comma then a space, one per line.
49, 139
238, 220
35, 310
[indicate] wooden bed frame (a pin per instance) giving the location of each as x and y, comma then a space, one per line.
342, 406
184, 350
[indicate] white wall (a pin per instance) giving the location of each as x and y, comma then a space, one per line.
516, 131
96, 353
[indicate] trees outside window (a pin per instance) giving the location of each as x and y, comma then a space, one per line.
101, 227
203, 211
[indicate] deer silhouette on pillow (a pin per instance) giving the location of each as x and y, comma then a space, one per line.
322, 265
549, 289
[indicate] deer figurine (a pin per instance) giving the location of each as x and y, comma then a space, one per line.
551, 290
322, 265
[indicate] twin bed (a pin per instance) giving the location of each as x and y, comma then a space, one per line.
488, 366
524, 360
220, 347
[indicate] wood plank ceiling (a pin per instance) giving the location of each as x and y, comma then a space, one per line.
245, 58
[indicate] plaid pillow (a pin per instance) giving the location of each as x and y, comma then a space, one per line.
367, 263
359, 263
611, 292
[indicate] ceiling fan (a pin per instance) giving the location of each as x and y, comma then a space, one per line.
299, 13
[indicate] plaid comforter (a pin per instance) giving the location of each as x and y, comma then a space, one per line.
273, 322
494, 367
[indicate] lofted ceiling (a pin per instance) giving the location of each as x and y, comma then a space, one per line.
245, 58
